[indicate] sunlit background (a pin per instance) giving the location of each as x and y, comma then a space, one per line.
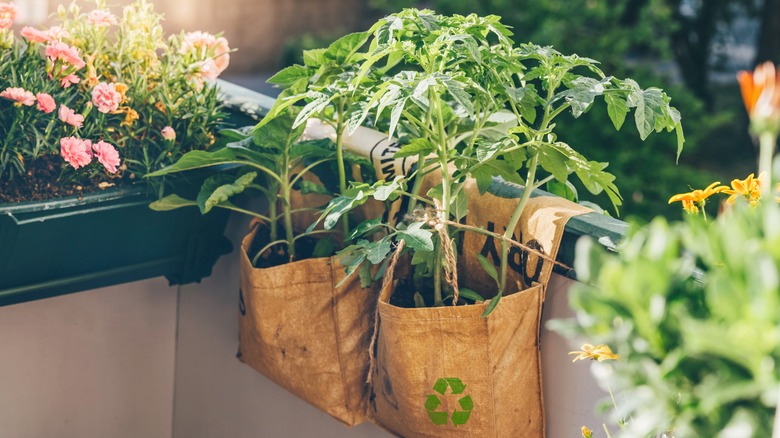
691, 48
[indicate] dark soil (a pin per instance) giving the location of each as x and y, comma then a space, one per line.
40, 182
277, 255
403, 296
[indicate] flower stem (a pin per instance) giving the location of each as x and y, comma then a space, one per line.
340, 161
776, 423
272, 206
445, 199
766, 152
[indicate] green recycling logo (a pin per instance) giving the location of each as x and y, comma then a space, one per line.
433, 402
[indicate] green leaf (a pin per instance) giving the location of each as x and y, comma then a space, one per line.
364, 227
492, 305
460, 205
617, 109
314, 57
285, 100
313, 149
200, 159
680, 139
215, 190
460, 95
324, 248
365, 275
582, 93
554, 161
484, 173
384, 191
171, 202
488, 266
343, 48
278, 132
340, 205
310, 187
417, 238
290, 75
488, 149
416, 147
471, 295
235, 134
564, 190
525, 99
351, 258
377, 251
649, 106
318, 103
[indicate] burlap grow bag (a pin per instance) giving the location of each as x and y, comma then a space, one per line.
425, 356
307, 335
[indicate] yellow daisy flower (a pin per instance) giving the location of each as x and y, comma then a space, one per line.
749, 188
696, 199
600, 353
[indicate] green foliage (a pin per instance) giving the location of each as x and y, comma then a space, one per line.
272, 150
692, 310
635, 39
465, 97
165, 87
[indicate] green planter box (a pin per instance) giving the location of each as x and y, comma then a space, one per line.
68, 245
73, 244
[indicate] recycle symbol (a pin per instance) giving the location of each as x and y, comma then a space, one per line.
433, 402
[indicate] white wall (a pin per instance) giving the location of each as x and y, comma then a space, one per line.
94, 364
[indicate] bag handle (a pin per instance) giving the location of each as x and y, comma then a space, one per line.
384, 295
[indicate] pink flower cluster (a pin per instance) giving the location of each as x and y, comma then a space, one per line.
46, 102
101, 18
106, 98
8, 13
57, 50
23, 97
54, 33
67, 57
70, 117
168, 133
20, 95
79, 153
216, 52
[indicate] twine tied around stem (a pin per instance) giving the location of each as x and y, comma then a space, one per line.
437, 221
388, 279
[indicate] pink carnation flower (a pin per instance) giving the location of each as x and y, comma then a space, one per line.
205, 45
68, 80
34, 35
8, 13
59, 50
101, 18
208, 69
197, 40
70, 117
19, 95
222, 54
107, 155
168, 133
56, 33
105, 97
77, 152
46, 102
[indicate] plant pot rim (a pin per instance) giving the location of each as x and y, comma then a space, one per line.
105, 195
